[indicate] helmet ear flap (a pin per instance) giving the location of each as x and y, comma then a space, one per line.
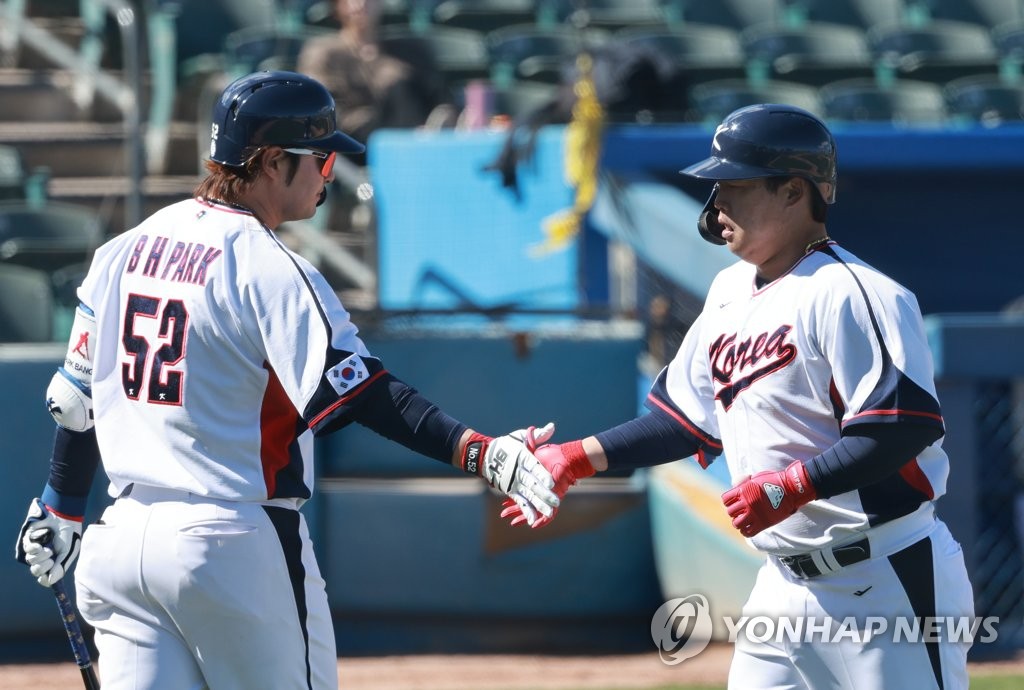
707, 223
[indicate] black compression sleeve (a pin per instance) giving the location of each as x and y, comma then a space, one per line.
398, 412
76, 456
867, 454
651, 439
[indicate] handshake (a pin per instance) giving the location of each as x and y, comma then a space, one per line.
543, 473
540, 476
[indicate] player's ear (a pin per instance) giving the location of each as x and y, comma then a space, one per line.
273, 159
794, 189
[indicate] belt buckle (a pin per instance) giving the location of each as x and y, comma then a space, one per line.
795, 565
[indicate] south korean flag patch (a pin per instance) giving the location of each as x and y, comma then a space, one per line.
347, 374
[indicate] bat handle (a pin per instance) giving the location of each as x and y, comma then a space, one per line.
69, 617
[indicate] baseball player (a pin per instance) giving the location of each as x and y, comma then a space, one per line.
809, 370
205, 356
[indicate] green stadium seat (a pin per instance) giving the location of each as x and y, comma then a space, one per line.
736, 14
862, 14
26, 305
461, 54
904, 102
989, 13
12, 173
713, 100
607, 14
48, 236
527, 51
266, 48
484, 15
985, 99
814, 53
938, 51
689, 45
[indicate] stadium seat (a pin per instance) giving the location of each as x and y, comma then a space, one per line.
1009, 42
862, 14
526, 51
484, 15
989, 13
48, 236
258, 48
815, 53
461, 54
713, 100
606, 14
905, 102
938, 51
521, 98
709, 52
12, 173
735, 14
984, 99
322, 13
201, 27
26, 305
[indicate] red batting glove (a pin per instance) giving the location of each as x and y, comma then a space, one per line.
567, 463
768, 498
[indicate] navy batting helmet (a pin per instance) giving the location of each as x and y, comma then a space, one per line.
275, 109
767, 140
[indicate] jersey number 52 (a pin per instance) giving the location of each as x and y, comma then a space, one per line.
150, 369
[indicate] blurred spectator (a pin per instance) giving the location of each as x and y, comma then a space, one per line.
373, 89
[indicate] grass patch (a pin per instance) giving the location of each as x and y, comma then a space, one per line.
978, 682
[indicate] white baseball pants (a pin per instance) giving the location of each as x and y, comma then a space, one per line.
925, 579
191, 593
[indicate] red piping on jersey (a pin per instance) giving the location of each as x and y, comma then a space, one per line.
837, 400
278, 422
893, 413
345, 398
913, 474
225, 209
689, 427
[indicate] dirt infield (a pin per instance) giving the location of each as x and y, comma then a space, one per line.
636, 671
484, 672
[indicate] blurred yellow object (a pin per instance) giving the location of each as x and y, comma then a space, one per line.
582, 156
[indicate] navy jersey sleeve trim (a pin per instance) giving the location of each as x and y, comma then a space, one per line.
896, 397
708, 446
867, 454
338, 414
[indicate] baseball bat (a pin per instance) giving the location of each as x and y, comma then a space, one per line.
69, 616
74, 631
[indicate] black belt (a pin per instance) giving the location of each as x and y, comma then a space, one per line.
803, 566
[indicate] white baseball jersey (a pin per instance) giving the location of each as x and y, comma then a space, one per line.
217, 352
777, 372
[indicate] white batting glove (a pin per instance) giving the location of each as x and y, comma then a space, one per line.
507, 464
48, 543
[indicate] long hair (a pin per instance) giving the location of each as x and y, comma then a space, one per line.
231, 182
